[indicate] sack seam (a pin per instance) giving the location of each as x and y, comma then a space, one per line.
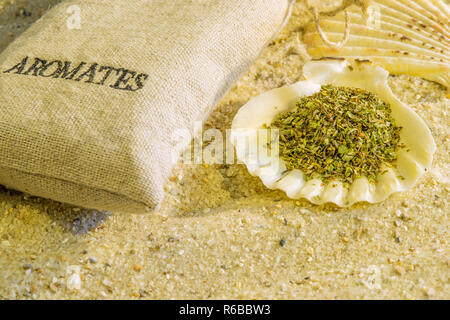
286, 18
81, 185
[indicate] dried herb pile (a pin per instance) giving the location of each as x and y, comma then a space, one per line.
338, 133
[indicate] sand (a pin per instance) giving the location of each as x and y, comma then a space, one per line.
220, 234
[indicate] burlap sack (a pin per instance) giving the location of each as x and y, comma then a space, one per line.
90, 94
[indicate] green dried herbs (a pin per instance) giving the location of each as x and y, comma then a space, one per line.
338, 133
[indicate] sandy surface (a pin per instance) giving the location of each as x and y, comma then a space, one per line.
219, 231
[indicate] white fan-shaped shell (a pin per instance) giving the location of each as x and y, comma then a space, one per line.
403, 36
262, 110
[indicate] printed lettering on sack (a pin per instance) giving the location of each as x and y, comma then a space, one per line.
93, 73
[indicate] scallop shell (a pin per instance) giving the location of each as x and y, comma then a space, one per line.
263, 109
403, 36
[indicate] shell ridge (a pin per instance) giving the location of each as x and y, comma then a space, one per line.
404, 11
428, 7
348, 53
386, 20
354, 40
